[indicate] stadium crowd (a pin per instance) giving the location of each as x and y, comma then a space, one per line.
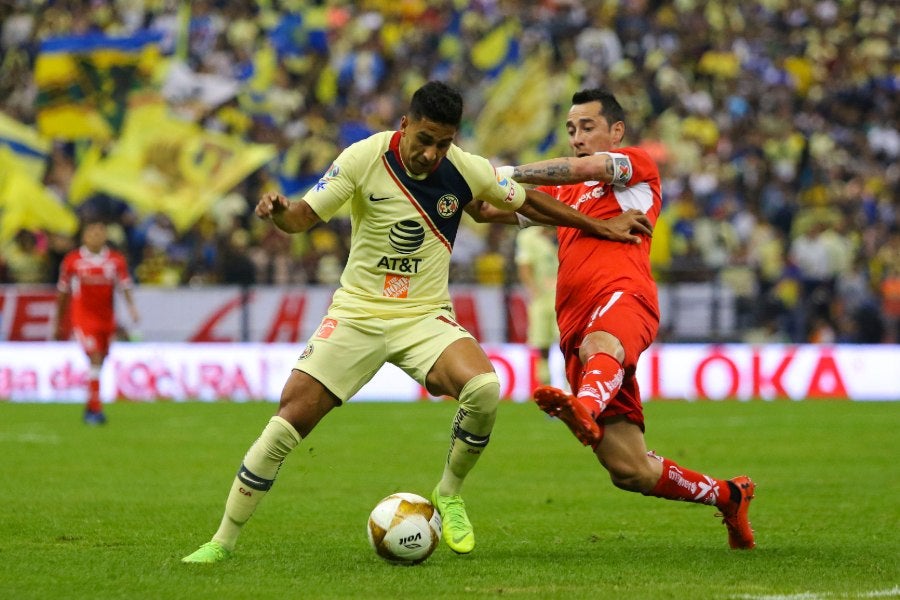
774, 124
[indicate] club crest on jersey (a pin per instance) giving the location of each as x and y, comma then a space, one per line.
306, 352
447, 205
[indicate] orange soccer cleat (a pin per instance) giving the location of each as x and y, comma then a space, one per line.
570, 411
734, 515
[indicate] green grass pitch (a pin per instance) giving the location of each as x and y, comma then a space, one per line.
108, 512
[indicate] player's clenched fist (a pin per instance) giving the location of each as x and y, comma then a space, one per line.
270, 203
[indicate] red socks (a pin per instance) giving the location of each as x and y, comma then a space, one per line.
93, 403
600, 381
678, 483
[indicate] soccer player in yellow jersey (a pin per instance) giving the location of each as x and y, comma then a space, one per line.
407, 190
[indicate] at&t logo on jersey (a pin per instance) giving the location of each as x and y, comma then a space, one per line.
406, 236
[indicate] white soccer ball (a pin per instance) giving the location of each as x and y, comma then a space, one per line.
404, 528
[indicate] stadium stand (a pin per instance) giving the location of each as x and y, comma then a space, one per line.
774, 123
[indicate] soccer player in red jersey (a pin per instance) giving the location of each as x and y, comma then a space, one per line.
88, 278
607, 311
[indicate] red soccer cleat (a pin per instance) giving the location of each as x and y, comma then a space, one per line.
570, 411
734, 515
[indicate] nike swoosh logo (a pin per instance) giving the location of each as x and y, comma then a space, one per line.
457, 540
254, 481
474, 441
372, 198
250, 478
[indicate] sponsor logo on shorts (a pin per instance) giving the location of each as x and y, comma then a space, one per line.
306, 352
449, 321
395, 286
447, 205
326, 328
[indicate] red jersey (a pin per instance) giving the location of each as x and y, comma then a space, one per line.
92, 280
590, 267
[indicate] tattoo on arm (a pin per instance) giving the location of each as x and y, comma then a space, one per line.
610, 170
547, 172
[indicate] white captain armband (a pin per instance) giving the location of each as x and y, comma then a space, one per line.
622, 169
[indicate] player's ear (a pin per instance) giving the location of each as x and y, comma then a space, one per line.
404, 123
618, 132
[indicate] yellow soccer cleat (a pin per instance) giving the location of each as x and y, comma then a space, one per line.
208, 553
456, 527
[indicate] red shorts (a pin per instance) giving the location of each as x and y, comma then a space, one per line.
94, 341
635, 323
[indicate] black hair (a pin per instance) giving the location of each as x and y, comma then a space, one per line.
438, 102
610, 108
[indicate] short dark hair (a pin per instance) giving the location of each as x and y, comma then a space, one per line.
610, 108
438, 102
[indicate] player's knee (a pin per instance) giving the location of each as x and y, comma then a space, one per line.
601, 341
481, 394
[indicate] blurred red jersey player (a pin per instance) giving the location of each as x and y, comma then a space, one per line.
88, 278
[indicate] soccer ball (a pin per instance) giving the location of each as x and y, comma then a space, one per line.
404, 528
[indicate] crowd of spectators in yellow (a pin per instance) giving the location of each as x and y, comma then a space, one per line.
774, 124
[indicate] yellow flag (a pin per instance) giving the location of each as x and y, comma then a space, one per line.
162, 164
29, 148
26, 204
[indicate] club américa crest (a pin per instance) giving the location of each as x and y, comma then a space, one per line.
447, 205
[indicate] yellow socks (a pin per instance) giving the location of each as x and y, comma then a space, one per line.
255, 477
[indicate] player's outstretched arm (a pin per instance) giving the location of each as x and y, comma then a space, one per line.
545, 209
484, 212
289, 216
564, 170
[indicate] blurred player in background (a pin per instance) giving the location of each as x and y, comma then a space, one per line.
88, 278
537, 265
407, 190
606, 305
